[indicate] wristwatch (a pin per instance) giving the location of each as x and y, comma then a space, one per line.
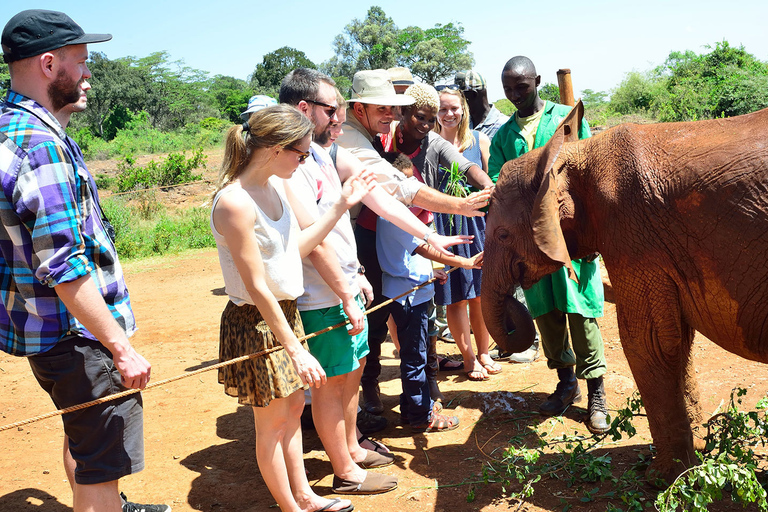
361, 269
427, 235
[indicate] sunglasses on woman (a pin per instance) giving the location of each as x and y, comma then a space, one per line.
453, 87
303, 155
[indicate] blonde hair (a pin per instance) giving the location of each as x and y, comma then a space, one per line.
279, 125
466, 139
424, 95
340, 100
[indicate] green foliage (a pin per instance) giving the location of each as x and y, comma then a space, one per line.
435, 53
505, 107
5, 77
370, 43
455, 185
268, 75
730, 461
144, 230
375, 42
231, 96
592, 99
730, 464
139, 137
550, 92
727, 81
175, 169
636, 93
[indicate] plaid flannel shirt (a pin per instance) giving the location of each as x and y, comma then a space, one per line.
51, 232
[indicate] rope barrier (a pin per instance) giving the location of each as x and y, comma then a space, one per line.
216, 366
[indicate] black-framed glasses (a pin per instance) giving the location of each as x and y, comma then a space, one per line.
331, 108
303, 155
453, 87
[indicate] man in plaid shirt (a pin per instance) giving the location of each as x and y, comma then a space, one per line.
65, 305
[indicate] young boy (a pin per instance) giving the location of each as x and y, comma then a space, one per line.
405, 263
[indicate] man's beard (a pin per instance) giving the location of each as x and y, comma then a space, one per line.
63, 91
321, 138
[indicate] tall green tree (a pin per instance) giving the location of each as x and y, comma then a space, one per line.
175, 93
116, 88
268, 75
435, 53
370, 43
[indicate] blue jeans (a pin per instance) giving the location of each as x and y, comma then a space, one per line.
412, 321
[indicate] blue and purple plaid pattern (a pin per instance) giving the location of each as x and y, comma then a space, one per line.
51, 232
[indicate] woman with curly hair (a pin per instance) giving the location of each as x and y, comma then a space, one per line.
432, 158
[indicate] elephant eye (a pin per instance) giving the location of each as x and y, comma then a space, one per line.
502, 234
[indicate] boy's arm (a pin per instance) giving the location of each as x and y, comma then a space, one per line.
430, 253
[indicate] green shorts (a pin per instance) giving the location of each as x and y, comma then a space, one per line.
336, 351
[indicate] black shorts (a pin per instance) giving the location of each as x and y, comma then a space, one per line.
106, 440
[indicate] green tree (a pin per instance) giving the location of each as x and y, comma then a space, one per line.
175, 94
5, 77
593, 98
268, 75
230, 95
550, 92
635, 94
370, 43
726, 81
116, 88
436, 53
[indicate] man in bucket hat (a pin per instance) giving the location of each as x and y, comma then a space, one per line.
370, 112
65, 304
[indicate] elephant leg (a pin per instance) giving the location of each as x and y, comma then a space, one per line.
692, 405
657, 344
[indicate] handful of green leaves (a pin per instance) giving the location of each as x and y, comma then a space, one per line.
455, 185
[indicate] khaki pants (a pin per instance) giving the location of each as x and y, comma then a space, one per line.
587, 353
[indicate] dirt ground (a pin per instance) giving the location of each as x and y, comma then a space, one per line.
200, 443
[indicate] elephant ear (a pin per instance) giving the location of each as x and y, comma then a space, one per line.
545, 218
572, 122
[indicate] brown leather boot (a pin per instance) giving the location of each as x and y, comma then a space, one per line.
597, 411
566, 393
432, 369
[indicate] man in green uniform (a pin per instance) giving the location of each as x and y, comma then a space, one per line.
556, 301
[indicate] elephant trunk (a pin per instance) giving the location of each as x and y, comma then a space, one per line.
508, 321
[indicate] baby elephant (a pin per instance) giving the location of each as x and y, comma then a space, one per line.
679, 212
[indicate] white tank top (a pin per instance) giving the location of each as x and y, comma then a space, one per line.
278, 242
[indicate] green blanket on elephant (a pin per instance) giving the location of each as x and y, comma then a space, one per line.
554, 291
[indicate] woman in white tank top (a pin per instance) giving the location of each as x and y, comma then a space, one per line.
260, 249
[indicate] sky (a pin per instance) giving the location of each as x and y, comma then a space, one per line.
599, 41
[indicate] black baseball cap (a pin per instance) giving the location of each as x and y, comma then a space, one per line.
36, 31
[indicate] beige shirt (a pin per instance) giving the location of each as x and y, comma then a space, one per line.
358, 141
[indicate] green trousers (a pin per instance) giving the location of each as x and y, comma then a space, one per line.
587, 353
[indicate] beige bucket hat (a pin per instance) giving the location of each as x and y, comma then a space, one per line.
375, 87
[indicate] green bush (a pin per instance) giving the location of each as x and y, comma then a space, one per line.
175, 169
138, 137
137, 236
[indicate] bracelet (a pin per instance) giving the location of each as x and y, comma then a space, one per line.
427, 235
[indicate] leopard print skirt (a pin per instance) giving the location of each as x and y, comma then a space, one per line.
260, 380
